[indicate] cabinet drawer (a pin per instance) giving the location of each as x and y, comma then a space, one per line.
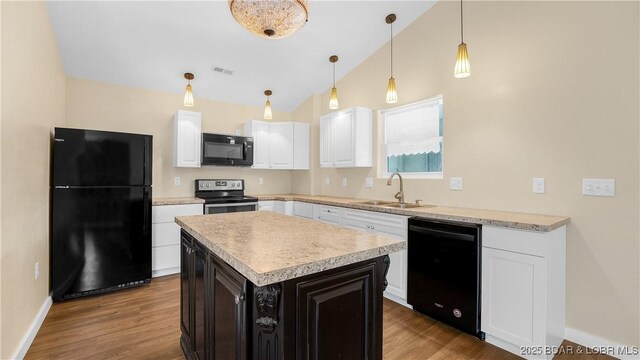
165, 257
303, 209
375, 218
520, 241
167, 213
164, 234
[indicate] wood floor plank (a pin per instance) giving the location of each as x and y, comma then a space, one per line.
144, 323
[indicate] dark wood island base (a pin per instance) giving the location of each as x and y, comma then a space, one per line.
332, 314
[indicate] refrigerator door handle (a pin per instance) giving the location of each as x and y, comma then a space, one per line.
146, 203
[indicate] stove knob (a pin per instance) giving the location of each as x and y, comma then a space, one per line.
208, 185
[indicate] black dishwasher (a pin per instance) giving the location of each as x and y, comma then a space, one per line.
444, 272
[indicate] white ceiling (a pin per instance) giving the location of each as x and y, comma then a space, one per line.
151, 44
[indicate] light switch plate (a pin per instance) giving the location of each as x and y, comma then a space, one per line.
238, 132
260, 180
455, 184
176, 181
538, 185
368, 182
599, 187
327, 181
344, 181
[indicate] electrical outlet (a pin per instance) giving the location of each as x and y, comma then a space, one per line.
368, 182
538, 185
238, 132
455, 184
260, 180
37, 270
599, 187
327, 181
344, 181
176, 181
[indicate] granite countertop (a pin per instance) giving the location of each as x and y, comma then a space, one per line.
267, 247
522, 221
176, 201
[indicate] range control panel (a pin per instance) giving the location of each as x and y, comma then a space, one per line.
215, 185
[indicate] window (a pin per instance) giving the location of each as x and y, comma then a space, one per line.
412, 139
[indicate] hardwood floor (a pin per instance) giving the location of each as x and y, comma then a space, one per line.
143, 323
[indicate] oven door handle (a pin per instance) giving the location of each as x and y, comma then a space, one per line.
230, 205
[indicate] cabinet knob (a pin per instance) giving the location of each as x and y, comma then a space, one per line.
372, 227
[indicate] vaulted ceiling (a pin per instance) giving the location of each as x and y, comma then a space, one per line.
150, 44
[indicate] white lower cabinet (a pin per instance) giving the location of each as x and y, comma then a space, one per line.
165, 237
393, 226
328, 214
303, 209
523, 290
281, 207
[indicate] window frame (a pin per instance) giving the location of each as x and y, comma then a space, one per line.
383, 172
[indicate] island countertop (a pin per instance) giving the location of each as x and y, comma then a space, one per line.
267, 247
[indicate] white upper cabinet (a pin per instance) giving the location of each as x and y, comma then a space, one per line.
259, 130
187, 138
346, 138
279, 145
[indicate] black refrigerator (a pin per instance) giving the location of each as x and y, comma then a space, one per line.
100, 212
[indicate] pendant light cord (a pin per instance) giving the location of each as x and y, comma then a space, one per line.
461, 24
391, 49
334, 74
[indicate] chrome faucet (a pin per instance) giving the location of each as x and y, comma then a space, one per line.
400, 194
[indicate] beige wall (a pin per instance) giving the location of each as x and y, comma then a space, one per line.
101, 106
33, 101
554, 94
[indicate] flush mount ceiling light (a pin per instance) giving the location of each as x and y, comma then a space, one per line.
392, 94
333, 102
188, 94
463, 68
268, 115
272, 19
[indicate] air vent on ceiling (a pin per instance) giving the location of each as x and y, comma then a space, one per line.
222, 70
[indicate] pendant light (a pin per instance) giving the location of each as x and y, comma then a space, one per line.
462, 69
392, 94
333, 102
188, 94
268, 115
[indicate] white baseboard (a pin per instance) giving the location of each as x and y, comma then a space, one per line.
397, 299
165, 272
593, 341
27, 339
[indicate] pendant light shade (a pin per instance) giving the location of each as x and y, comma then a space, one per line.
268, 115
188, 94
333, 101
392, 94
463, 68
272, 19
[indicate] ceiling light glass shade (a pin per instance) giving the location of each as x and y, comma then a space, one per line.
462, 69
392, 94
272, 19
333, 102
268, 115
188, 96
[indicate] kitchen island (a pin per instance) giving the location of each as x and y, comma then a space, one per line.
267, 286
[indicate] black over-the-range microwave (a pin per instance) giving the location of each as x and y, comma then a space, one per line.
227, 150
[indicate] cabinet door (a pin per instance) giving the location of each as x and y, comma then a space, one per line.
281, 145
325, 303
187, 139
185, 289
328, 214
200, 295
259, 130
326, 147
513, 296
265, 205
343, 140
229, 314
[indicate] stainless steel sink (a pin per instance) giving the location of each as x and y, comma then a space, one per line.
373, 202
406, 206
